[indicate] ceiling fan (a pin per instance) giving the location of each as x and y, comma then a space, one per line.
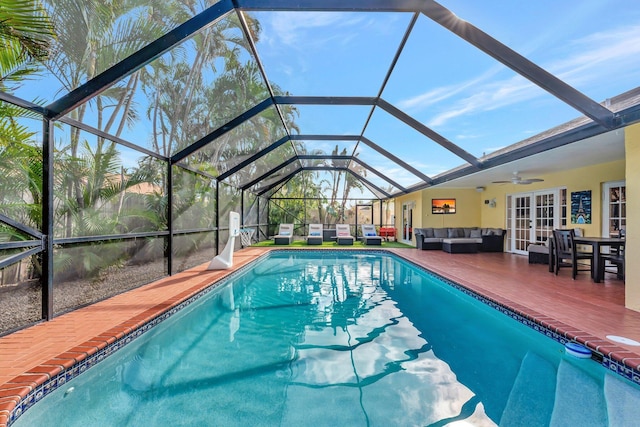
516, 179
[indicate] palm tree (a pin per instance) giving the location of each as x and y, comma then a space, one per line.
92, 36
25, 35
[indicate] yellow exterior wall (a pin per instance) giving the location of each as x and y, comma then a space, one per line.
472, 210
632, 247
467, 208
417, 212
580, 179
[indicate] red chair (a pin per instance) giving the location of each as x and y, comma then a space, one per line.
387, 233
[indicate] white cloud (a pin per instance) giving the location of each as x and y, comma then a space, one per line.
489, 96
436, 95
606, 54
291, 29
601, 55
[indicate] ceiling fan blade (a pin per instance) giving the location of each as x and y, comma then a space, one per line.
501, 182
529, 181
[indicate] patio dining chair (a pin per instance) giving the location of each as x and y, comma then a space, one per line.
615, 259
567, 255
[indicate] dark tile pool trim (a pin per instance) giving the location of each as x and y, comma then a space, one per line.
90, 361
605, 353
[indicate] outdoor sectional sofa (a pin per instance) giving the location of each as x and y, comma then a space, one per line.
461, 239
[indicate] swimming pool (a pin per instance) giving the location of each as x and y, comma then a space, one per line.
335, 338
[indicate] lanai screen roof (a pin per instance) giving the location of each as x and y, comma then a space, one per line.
398, 94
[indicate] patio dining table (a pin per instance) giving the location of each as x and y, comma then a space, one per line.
596, 244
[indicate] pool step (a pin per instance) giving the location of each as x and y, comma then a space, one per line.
531, 400
623, 402
579, 398
568, 396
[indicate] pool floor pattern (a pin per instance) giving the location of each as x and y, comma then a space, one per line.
579, 309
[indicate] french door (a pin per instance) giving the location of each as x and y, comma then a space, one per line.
532, 218
614, 208
407, 220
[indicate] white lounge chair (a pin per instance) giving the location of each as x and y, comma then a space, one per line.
285, 235
343, 234
315, 234
369, 235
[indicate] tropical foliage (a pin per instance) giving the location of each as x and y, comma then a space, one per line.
25, 32
101, 188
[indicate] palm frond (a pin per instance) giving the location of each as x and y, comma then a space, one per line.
27, 23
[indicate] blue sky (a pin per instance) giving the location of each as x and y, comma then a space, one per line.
445, 83
440, 80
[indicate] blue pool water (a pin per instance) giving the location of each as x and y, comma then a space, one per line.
338, 338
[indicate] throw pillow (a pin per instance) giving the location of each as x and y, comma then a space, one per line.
475, 234
440, 233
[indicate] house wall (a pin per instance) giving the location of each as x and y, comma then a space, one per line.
416, 198
632, 246
471, 209
580, 179
467, 208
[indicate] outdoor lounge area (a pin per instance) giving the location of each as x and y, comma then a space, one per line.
138, 140
461, 239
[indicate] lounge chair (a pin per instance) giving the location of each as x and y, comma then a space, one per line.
315, 234
343, 234
369, 235
285, 235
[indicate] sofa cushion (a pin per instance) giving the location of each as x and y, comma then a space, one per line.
492, 231
440, 232
541, 249
432, 239
461, 240
424, 232
475, 234
468, 230
454, 233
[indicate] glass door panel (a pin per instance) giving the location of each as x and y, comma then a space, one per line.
521, 223
544, 219
532, 218
614, 209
